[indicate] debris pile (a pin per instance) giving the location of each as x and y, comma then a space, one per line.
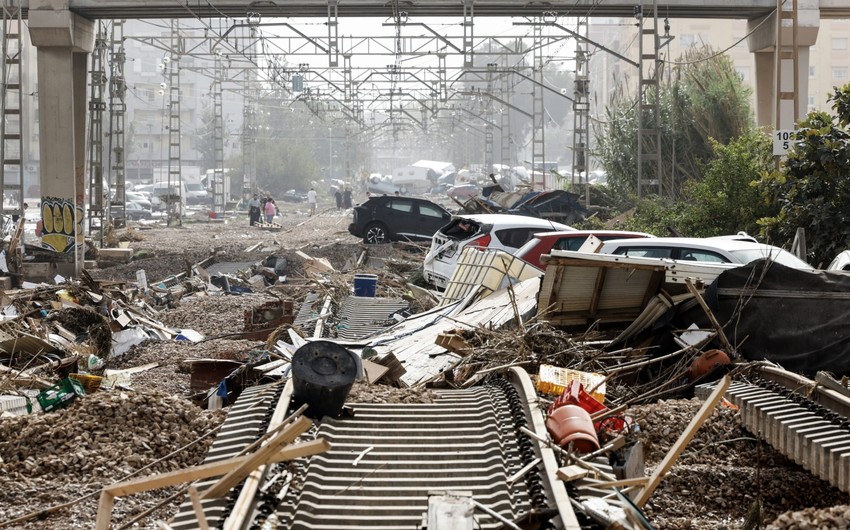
106, 436
211, 329
837, 517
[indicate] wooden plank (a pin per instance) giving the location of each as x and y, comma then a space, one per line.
720, 334
261, 456
622, 483
199, 510
104, 510
215, 469
827, 380
571, 473
249, 490
374, 371
684, 439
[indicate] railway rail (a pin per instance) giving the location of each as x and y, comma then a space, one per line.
386, 459
801, 419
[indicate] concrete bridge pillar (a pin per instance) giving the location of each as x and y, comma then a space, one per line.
762, 42
63, 42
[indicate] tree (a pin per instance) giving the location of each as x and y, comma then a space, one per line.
812, 188
726, 200
704, 85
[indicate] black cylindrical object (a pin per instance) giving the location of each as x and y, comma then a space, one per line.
323, 373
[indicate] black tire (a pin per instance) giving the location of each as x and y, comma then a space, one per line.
375, 234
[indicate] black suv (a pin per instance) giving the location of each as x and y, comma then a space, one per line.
393, 218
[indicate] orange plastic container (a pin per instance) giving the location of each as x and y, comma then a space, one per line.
571, 424
706, 362
574, 394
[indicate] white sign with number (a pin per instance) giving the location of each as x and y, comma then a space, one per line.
782, 141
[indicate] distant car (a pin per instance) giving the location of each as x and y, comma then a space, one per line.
294, 196
197, 194
393, 218
545, 243
464, 191
741, 249
139, 198
133, 211
496, 231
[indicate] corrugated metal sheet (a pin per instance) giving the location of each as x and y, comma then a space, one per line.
362, 316
580, 292
486, 271
308, 313
413, 341
581, 288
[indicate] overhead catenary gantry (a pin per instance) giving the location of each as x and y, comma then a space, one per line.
416, 80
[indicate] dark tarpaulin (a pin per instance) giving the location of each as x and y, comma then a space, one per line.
799, 319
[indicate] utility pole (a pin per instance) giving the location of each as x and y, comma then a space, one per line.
175, 176
538, 119
11, 110
117, 113
97, 79
648, 111
220, 187
581, 113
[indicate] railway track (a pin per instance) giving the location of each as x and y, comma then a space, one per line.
386, 459
805, 422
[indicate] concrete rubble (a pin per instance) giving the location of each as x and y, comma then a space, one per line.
136, 379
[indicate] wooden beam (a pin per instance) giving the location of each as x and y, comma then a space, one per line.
259, 457
249, 489
215, 469
721, 335
623, 483
122, 489
199, 510
684, 439
104, 510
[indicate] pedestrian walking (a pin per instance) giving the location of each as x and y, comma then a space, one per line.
346, 198
271, 209
338, 197
311, 200
254, 210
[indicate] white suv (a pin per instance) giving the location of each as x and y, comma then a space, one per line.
494, 231
739, 250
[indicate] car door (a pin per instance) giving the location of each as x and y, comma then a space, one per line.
431, 219
402, 217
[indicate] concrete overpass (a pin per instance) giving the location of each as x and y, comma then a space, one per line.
735, 9
63, 31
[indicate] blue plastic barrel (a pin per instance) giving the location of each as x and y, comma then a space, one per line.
365, 284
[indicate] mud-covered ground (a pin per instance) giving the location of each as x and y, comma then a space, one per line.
66, 457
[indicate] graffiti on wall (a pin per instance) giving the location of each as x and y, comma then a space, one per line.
58, 220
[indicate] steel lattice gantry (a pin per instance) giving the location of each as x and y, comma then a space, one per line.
97, 205
117, 115
11, 101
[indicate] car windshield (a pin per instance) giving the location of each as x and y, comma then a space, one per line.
776, 254
194, 187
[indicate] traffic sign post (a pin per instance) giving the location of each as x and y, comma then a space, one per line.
782, 139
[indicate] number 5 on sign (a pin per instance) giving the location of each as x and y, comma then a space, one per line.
782, 141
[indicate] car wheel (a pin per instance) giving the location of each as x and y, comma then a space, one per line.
375, 233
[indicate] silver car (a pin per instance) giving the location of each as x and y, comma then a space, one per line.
740, 249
